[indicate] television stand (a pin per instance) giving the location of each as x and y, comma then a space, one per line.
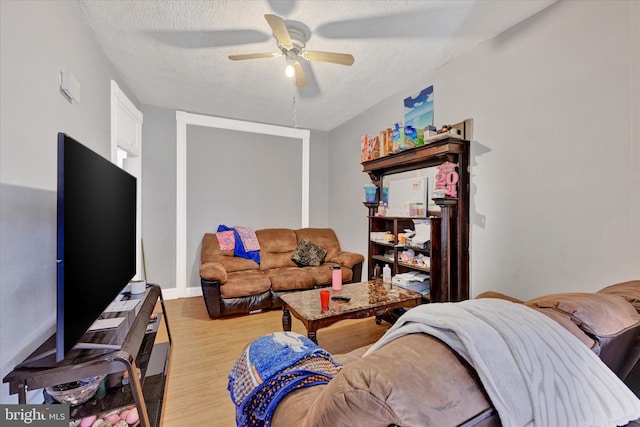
146, 349
25, 364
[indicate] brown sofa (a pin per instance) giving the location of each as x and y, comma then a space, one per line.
236, 285
417, 380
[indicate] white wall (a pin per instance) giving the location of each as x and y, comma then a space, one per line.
555, 154
38, 39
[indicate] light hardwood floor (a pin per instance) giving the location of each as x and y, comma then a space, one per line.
204, 351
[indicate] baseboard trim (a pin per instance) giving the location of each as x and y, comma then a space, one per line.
174, 293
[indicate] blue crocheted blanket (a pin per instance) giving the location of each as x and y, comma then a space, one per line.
272, 366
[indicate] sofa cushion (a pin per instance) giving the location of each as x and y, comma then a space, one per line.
308, 254
324, 237
271, 260
322, 274
383, 388
276, 247
293, 408
610, 320
597, 314
563, 318
628, 290
239, 249
211, 252
236, 263
245, 283
211, 248
289, 278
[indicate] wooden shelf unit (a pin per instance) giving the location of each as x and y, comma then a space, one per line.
449, 228
139, 350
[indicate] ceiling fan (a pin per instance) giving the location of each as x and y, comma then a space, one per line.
292, 38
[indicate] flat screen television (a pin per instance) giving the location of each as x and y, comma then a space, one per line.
96, 238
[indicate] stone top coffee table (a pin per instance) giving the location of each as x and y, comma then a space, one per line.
367, 299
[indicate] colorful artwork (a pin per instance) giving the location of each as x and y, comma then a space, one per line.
418, 109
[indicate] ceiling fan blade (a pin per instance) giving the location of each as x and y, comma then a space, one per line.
312, 89
335, 58
299, 76
280, 30
253, 56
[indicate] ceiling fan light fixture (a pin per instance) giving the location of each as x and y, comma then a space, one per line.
289, 71
291, 38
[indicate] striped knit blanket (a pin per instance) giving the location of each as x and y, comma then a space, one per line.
272, 366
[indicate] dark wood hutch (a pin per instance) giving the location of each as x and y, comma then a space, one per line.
449, 253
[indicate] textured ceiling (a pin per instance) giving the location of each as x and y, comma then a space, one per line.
173, 54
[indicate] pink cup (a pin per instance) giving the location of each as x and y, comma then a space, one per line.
324, 299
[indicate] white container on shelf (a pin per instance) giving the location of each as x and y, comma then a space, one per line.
386, 274
138, 287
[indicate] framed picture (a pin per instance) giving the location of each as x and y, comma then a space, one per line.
418, 109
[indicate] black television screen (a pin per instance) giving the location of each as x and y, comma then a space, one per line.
96, 238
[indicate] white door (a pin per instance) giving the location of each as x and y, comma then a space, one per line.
126, 152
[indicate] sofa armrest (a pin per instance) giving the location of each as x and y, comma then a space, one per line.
346, 259
214, 271
212, 297
356, 273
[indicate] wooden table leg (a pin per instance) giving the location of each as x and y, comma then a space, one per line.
286, 318
312, 336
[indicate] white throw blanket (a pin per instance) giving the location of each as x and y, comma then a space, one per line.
535, 372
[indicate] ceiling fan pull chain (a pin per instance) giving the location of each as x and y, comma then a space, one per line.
293, 106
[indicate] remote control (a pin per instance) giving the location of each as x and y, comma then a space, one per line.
341, 298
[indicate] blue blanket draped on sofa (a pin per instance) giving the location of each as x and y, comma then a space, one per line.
272, 366
239, 249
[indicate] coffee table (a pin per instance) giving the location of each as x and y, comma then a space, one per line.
367, 299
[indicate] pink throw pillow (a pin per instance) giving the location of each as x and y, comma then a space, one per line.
226, 240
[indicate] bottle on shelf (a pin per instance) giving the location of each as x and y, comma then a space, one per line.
386, 274
376, 271
381, 209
